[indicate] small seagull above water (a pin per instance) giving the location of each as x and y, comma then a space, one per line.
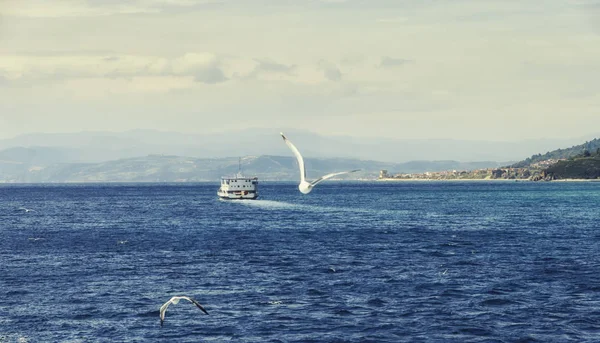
26, 209
175, 300
305, 187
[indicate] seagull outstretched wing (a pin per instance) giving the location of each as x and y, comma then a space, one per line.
328, 176
298, 157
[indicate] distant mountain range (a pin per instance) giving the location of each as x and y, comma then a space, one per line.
150, 156
107, 146
168, 168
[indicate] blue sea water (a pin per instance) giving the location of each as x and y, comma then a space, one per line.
350, 262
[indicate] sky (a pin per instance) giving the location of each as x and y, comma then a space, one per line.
419, 69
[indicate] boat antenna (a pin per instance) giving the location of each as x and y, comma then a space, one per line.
239, 166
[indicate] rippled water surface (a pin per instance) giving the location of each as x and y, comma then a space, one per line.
350, 262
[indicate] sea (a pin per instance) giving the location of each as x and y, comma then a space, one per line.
349, 262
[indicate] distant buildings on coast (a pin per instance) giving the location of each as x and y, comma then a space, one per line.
533, 172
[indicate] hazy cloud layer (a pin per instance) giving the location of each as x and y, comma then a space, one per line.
417, 69
73, 66
203, 67
389, 62
92, 8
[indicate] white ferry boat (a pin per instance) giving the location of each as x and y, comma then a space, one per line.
238, 187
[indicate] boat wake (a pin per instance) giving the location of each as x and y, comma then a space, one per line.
269, 204
282, 205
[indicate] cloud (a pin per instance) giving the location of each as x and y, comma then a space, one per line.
330, 71
94, 8
98, 88
68, 8
389, 62
210, 76
191, 62
270, 70
274, 67
203, 67
111, 58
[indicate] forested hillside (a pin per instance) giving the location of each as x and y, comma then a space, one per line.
590, 146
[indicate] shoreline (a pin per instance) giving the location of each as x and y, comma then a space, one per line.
576, 180
483, 180
453, 180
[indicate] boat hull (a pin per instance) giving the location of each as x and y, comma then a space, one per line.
237, 195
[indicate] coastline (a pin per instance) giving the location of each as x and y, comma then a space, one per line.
576, 180
483, 180
453, 180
